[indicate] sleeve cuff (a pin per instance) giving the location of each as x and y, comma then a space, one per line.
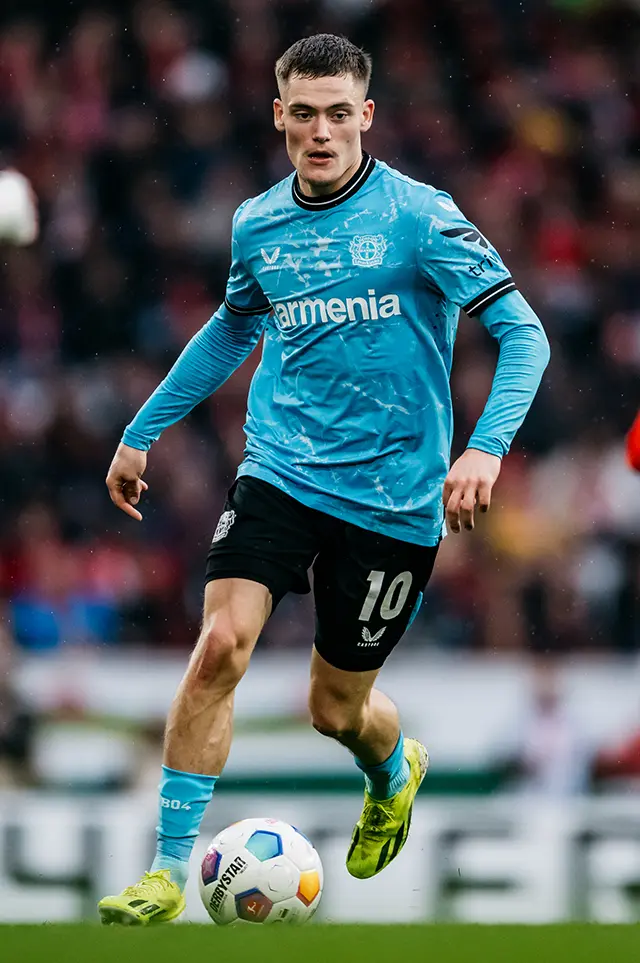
489, 445
134, 439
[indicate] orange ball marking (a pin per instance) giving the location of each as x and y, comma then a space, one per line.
309, 886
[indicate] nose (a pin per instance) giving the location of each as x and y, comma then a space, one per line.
321, 132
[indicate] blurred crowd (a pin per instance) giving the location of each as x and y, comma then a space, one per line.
142, 126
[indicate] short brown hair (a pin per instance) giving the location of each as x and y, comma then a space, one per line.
324, 55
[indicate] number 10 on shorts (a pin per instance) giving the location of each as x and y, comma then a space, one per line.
395, 597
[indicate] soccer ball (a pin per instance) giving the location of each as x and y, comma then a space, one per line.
261, 871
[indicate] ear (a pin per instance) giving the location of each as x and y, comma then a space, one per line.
367, 115
278, 114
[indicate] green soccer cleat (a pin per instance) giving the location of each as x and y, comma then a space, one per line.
383, 827
155, 899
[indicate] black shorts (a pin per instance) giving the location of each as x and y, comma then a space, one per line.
366, 586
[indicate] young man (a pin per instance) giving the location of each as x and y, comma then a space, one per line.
355, 276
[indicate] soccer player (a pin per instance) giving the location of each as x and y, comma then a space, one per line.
354, 275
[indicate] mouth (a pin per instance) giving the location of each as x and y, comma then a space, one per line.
320, 157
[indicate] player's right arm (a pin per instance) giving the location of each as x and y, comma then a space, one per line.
212, 355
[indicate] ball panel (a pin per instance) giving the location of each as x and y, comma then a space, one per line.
301, 852
309, 886
264, 844
210, 866
282, 879
232, 838
253, 906
291, 911
282, 914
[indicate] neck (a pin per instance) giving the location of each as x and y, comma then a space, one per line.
319, 190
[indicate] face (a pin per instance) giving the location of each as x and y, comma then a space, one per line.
322, 119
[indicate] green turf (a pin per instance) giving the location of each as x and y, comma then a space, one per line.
188, 943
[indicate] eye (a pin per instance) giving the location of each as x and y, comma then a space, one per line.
340, 115
301, 115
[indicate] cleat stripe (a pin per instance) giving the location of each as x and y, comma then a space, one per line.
354, 843
400, 838
151, 909
406, 832
383, 856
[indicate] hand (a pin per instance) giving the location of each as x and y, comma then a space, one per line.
468, 483
124, 479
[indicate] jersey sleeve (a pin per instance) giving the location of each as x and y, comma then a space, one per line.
454, 257
243, 295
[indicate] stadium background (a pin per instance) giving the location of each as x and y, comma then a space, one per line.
142, 126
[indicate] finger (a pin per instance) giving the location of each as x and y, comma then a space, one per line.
484, 496
120, 501
130, 510
467, 507
123, 497
453, 510
447, 491
133, 490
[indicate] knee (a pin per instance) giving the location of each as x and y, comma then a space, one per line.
334, 719
221, 655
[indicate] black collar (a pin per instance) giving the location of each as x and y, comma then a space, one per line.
325, 201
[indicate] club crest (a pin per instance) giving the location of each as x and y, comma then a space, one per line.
367, 250
226, 521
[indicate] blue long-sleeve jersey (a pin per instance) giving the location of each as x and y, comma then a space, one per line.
358, 296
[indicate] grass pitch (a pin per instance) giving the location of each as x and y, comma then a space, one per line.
191, 943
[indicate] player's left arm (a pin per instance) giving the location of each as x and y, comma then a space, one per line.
524, 355
459, 261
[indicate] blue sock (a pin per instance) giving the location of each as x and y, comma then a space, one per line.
390, 776
184, 796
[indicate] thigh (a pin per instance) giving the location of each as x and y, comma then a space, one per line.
367, 588
234, 613
237, 608
263, 536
